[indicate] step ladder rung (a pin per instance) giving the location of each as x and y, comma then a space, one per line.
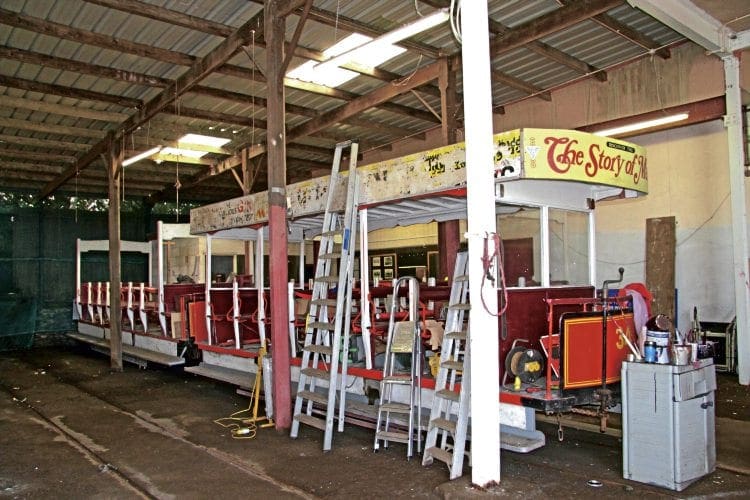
327, 279
313, 396
444, 424
450, 405
315, 373
399, 437
447, 394
439, 453
316, 422
323, 302
320, 349
453, 365
456, 335
332, 258
398, 379
321, 325
395, 407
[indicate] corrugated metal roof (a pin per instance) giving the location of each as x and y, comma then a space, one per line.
588, 42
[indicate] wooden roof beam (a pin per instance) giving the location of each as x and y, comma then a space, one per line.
30, 155
49, 128
195, 74
627, 32
151, 11
552, 22
549, 52
374, 98
26, 56
519, 84
62, 109
43, 143
72, 92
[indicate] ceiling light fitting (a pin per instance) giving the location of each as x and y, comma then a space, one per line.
643, 125
141, 156
395, 36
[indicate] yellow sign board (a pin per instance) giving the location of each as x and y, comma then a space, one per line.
578, 156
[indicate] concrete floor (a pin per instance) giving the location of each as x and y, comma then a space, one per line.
71, 429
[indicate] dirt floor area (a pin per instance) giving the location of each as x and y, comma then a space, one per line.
70, 428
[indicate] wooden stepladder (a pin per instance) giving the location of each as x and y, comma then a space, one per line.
449, 416
403, 347
328, 317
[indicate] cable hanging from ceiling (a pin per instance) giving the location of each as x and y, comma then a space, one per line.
177, 184
455, 19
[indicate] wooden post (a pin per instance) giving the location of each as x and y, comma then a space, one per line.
448, 245
660, 260
115, 333
276, 153
448, 232
245, 192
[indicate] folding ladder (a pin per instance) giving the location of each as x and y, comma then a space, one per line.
403, 338
449, 416
320, 354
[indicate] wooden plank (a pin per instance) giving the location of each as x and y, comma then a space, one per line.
168, 16
62, 109
47, 88
660, 263
43, 143
30, 155
51, 129
131, 77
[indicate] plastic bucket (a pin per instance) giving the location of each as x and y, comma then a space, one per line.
661, 339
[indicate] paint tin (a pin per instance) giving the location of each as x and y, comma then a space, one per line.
661, 340
649, 351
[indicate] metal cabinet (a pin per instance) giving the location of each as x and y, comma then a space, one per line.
668, 423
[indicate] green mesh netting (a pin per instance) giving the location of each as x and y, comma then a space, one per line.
18, 322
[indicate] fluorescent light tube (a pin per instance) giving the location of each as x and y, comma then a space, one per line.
140, 156
656, 122
395, 36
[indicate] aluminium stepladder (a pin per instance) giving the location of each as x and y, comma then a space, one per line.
404, 338
320, 354
449, 416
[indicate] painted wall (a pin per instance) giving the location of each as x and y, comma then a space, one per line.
688, 179
688, 172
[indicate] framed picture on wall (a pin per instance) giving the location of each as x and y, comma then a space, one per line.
388, 274
376, 274
387, 261
376, 262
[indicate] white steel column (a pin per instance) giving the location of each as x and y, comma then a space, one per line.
78, 306
364, 287
208, 289
545, 250
480, 201
260, 283
737, 181
159, 275
301, 270
592, 250
685, 17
